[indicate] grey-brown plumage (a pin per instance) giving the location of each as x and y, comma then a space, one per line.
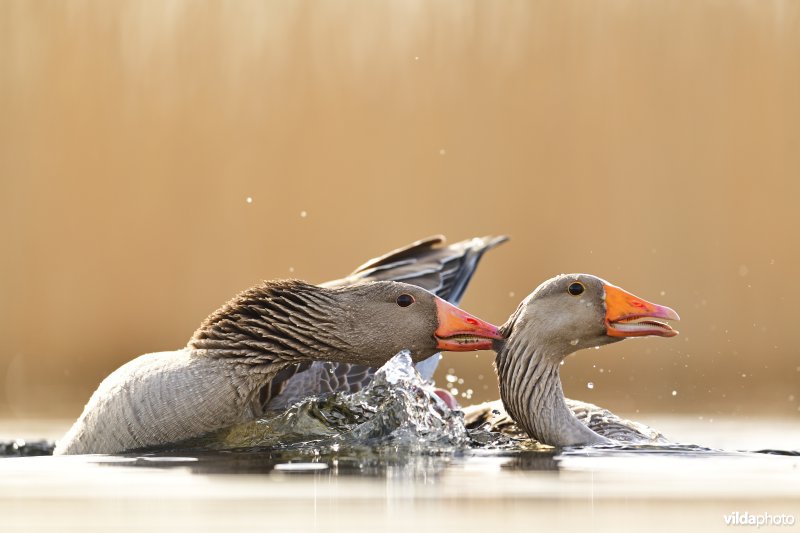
218, 379
444, 270
548, 325
492, 416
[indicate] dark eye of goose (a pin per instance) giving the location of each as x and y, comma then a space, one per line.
576, 288
404, 300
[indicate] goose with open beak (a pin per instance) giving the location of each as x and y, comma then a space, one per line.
565, 314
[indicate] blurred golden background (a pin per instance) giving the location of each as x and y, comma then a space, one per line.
158, 157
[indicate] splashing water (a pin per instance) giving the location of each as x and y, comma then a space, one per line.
397, 408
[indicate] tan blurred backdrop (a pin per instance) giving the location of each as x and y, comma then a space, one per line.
656, 144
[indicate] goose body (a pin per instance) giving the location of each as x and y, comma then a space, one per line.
565, 314
225, 374
492, 416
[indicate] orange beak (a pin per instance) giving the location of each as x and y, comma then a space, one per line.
628, 315
459, 331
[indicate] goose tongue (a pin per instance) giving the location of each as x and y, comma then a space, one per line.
459, 331
628, 315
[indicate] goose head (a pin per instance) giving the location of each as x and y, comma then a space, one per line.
574, 311
382, 318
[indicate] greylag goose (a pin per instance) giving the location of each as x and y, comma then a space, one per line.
565, 314
224, 375
428, 263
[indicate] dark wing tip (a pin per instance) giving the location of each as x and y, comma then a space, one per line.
455, 285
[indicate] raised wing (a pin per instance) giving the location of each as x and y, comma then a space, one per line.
428, 263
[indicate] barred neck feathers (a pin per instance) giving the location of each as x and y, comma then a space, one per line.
530, 387
526, 380
277, 321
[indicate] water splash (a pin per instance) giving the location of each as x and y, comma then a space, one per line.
396, 408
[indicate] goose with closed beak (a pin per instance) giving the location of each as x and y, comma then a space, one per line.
565, 314
220, 377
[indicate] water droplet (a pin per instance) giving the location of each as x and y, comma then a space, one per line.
663, 293
460, 381
416, 58
590, 385
303, 214
451, 378
596, 347
744, 375
511, 294
291, 269
454, 391
249, 199
574, 342
674, 393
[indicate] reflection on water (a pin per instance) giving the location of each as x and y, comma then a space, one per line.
382, 463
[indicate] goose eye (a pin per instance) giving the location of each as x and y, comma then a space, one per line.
404, 300
576, 288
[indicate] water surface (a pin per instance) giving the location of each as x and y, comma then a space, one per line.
392, 458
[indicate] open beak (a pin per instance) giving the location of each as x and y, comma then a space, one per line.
459, 331
630, 316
